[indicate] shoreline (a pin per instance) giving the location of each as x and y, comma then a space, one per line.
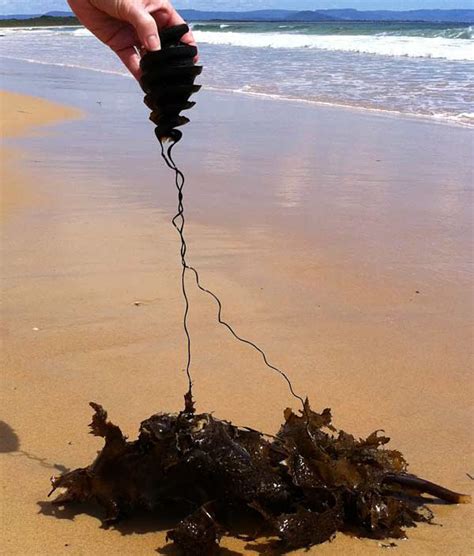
354, 339
435, 119
441, 120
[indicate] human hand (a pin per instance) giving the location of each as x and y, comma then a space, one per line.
125, 25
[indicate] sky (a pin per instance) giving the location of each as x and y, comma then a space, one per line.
42, 6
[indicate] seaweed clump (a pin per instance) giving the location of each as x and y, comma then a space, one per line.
299, 487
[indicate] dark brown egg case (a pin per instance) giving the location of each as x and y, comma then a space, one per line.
168, 77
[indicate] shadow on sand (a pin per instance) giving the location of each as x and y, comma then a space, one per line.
10, 444
141, 523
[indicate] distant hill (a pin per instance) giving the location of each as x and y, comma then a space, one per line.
257, 15
33, 16
59, 14
309, 16
19, 16
41, 21
445, 16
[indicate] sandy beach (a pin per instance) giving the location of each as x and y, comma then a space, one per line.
343, 248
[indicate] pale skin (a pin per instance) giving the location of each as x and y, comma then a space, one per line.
128, 25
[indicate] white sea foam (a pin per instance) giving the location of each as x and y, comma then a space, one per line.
7, 31
82, 32
439, 47
56, 31
413, 47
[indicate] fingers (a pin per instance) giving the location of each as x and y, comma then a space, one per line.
188, 38
176, 19
145, 26
131, 59
168, 17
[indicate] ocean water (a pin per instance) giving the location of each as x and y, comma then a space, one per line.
414, 69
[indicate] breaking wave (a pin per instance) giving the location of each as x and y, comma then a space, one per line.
385, 45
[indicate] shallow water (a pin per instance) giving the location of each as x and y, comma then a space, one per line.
406, 69
370, 173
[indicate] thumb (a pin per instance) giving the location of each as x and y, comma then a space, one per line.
145, 26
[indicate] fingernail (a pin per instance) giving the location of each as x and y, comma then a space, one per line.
152, 42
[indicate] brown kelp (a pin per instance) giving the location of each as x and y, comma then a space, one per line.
297, 488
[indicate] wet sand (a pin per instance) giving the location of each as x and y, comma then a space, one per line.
364, 298
21, 117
